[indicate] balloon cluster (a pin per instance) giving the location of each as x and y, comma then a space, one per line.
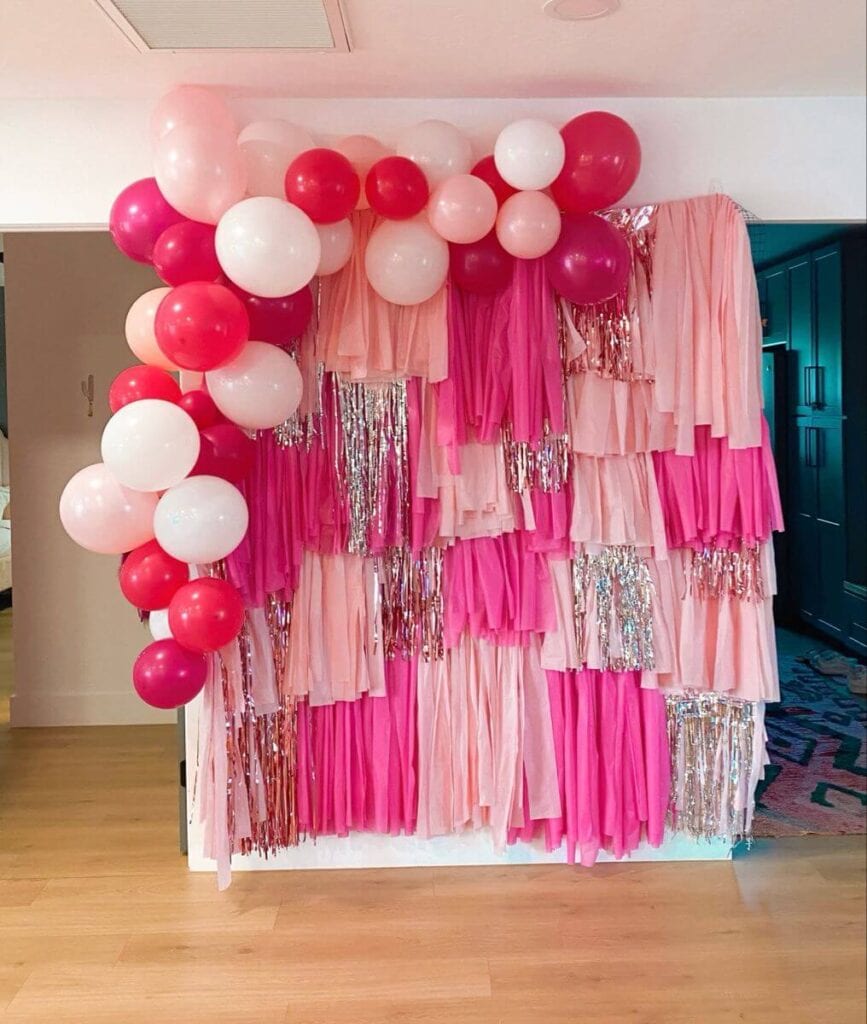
237, 225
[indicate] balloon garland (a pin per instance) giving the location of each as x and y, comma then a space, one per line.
238, 225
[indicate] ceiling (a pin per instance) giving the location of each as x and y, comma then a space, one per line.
436, 48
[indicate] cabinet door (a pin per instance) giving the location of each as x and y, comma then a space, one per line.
826, 452
828, 291
804, 566
802, 469
776, 306
801, 353
828, 606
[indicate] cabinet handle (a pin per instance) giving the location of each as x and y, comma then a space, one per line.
814, 385
817, 447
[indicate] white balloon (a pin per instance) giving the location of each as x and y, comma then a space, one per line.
336, 240
158, 624
438, 148
150, 445
406, 261
267, 246
268, 147
259, 389
529, 154
202, 519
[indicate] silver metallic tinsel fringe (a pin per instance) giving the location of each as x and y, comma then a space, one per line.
412, 602
299, 431
624, 591
711, 739
718, 572
542, 465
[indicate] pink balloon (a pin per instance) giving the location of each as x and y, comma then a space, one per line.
603, 158
362, 151
102, 516
191, 104
200, 171
462, 209
166, 675
185, 252
138, 217
591, 260
259, 389
528, 224
482, 267
139, 329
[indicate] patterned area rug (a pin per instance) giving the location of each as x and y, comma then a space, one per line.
816, 782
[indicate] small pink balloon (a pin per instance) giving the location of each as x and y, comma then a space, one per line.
362, 151
101, 515
200, 171
590, 262
462, 209
139, 329
528, 224
191, 104
166, 675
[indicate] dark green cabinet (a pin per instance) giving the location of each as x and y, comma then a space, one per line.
799, 340
826, 376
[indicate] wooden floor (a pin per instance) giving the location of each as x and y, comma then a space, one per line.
100, 922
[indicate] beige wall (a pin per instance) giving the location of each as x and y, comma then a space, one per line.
74, 635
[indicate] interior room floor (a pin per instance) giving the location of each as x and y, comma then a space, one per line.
101, 922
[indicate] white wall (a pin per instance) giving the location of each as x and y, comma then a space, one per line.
62, 163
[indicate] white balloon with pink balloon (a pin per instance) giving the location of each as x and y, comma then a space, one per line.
267, 246
336, 241
139, 329
406, 261
462, 209
528, 224
200, 171
268, 147
191, 104
438, 148
259, 389
150, 445
158, 624
202, 519
529, 154
102, 515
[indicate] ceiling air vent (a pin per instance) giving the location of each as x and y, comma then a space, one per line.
229, 24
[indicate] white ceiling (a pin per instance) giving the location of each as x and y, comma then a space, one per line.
434, 48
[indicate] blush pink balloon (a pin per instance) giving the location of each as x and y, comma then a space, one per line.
591, 260
139, 328
101, 515
528, 224
362, 151
462, 209
191, 104
259, 389
200, 171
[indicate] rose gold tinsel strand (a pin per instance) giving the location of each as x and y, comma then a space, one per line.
411, 602
718, 572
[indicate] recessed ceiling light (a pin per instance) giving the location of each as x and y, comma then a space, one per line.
580, 10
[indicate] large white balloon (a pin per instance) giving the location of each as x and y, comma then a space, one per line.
438, 148
158, 624
529, 154
406, 261
102, 516
150, 445
267, 246
202, 519
259, 389
268, 147
336, 240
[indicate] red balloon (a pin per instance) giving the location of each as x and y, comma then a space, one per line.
150, 578
483, 267
165, 675
137, 382
138, 217
186, 252
323, 183
396, 188
603, 158
226, 451
206, 614
590, 261
200, 326
486, 169
201, 408
279, 320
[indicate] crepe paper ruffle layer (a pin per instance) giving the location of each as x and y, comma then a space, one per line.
509, 566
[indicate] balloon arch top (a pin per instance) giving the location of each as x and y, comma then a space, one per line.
238, 224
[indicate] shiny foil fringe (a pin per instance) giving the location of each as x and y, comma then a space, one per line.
623, 587
542, 465
711, 740
300, 431
410, 589
718, 572
372, 458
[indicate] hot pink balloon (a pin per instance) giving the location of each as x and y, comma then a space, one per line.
101, 515
528, 224
591, 260
603, 158
138, 217
462, 209
200, 171
166, 675
191, 104
185, 252
483, 267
